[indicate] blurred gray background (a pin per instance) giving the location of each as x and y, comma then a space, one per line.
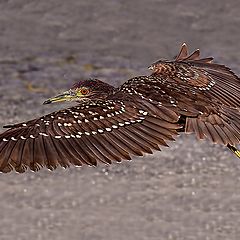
190, 191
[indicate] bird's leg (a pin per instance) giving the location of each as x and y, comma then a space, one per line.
234, 150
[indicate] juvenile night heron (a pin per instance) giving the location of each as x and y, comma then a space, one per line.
109, 124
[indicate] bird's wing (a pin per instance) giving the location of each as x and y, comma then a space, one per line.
199, 110
215, 80
184, 56
203, 94
91, 132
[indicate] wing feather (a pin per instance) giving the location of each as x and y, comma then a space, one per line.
87, 134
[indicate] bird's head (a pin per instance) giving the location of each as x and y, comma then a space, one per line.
84, 90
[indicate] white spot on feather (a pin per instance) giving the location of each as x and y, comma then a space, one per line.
43, 134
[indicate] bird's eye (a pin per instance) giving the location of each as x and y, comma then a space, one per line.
84, 91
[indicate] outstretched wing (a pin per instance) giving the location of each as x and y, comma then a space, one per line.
184, 56
215, 80
94, 131
205, 95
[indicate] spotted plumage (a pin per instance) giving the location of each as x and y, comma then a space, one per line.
109, 124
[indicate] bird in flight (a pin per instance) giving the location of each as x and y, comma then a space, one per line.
188, 94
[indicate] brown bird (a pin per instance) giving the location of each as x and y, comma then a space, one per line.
110, 124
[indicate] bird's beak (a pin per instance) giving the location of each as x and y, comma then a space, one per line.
66, 96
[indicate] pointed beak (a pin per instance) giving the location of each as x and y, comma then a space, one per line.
66, 96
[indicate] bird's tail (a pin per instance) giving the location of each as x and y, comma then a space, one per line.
234, 150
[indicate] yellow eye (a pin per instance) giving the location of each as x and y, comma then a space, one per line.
84, 91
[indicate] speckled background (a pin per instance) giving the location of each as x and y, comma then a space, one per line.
188, 192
